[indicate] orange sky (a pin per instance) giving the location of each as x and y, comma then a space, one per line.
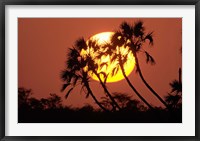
43, 44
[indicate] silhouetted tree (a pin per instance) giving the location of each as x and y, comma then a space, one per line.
52, 102
176, 85
76, 72
23, 97
174, 97
124, 101
87, 108
113, 49
173, 100
26, 102
134, 37
35, 104
50, 109
92, 66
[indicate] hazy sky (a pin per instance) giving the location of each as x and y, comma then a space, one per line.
43, 45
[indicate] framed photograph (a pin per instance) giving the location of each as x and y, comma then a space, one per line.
99, 70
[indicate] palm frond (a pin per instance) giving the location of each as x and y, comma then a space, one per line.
107, 45
125, 58
67, 94
104, 74
66, 75
80, 44
103, 64
109, 51
73, 53
113, 58
176, 86
64, 86
137, 69
76, 78
91, 64
82, 62
138, 47
100, 54
83, 88
138, 29
127, 29
149, 37
149, 58
172, 99
72, 63
117, 39
94, 45
87, 95
114, 71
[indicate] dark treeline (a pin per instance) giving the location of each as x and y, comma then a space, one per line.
51, 110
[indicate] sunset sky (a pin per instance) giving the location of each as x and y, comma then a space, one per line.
43, 44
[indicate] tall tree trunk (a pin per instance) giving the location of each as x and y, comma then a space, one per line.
96, 101
107, 92
133, 88
146, 84
179, 71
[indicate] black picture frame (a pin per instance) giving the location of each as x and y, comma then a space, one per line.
3, 4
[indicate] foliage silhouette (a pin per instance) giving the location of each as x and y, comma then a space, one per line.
132, 111
134, 37
26, 101
173, 98
75, 74
113, 49
52, 102
125, 102
90, 65
23, 97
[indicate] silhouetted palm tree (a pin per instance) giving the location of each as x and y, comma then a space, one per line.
174, 97
75, 72
121, 58
90, 56
173, 100
176, 85
133, 37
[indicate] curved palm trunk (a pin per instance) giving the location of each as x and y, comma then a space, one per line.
146, 84
133, 88
107, 92
97, 102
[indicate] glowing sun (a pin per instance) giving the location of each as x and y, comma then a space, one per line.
102, 38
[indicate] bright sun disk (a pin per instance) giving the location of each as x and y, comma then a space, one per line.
104, 37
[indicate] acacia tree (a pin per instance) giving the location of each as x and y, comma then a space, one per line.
75, 74
125, 101
52, 102
134, 37
23, 98
121, 98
